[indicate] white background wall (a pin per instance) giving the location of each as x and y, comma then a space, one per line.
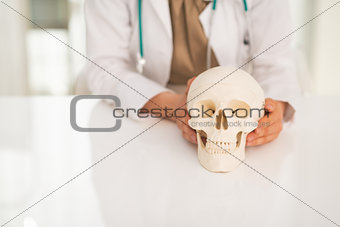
318, 45
13, 71
326, 45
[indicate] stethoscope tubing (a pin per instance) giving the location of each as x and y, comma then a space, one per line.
140, 55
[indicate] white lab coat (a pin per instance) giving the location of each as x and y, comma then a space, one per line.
112, 43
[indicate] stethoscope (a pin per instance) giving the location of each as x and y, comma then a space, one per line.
247, 38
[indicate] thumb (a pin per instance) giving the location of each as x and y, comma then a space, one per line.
270, 104
189, 82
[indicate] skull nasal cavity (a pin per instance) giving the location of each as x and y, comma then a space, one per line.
221, 120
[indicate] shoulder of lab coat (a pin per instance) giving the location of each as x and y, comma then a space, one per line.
110, 69
274, 66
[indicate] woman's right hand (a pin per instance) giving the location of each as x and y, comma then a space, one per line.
175, 101
182, 122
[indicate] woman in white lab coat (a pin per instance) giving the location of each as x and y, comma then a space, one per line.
113, 41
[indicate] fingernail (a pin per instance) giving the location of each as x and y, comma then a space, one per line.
193, 138
270, 107
250, 138
257, 131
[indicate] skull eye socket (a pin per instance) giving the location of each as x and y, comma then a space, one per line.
240, 108
206, 108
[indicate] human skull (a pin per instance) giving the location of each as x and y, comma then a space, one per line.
225, 104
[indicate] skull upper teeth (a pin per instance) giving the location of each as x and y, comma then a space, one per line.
220, 147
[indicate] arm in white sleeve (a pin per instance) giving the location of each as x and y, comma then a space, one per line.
108, 29
275, 68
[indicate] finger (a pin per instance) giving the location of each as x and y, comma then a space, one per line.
262, 126
269, 119
265, 128
187, 137
254, 135
179, 124
265, 122
263, 140
190, 138
270, 129
189, 82
189, 133
251, 136
270, 104
184, 120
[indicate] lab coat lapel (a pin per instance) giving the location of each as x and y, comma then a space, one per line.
161, 8
223, 41
157, 34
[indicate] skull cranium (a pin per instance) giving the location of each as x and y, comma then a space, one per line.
225, 104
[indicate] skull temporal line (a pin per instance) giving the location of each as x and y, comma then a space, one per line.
220, 136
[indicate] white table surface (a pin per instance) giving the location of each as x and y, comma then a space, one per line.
156, 179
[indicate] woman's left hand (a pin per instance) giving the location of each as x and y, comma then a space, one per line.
270, 126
